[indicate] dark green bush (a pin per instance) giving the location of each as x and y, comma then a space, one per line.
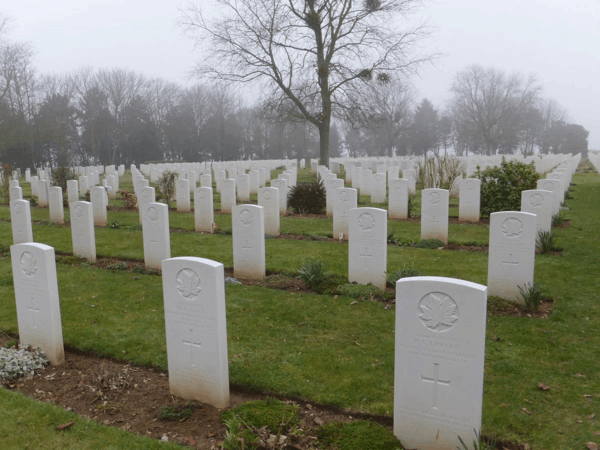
501, 186
61, 175
357, 435
307, 198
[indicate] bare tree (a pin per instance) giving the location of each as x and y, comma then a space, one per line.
492, 103
309, 55
551, 113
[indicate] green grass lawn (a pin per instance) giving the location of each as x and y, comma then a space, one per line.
334, 350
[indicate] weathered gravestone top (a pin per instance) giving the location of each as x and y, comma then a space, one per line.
439, 360
196, 329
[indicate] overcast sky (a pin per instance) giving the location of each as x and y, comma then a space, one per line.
558, 41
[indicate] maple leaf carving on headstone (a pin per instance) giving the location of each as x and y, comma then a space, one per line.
512, 227
188, 284
366, 221
436, 311
28, 264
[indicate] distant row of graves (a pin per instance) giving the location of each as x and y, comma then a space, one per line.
440, 322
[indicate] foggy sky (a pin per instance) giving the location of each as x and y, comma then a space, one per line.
556, 40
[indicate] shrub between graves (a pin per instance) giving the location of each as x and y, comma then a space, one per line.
61, 175
501, 186
307, 198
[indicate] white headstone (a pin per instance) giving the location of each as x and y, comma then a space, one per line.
243, 187
344, 200
332, 185
254, 181
434, 214
182, 195
555, 186
42, 191
155, 225
72, 191
398, 200
147, 195
206, 180
511, 253
248, 241
228, 198
55, 204
439, 361
112, 183
82, 230
469, 199
98, 197
196, 329
15, 193
539, 202
204, 215
34, 185
36, 292
20, 218
367, 246
282, 185
268, 198
378, 188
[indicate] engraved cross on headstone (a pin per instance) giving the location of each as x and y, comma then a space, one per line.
33, 312
436, 381
192, 344
433, 220
366, 256
469, 201
510, 263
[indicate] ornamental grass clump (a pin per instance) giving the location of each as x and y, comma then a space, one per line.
532, 296
307, 198
546, 241
313, 272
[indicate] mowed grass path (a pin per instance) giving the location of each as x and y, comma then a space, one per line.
331, 351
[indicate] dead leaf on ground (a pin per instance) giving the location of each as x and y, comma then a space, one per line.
543, 387
65, 425
591, 446
592, 416
526, 410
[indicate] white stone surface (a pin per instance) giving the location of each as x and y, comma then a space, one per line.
254, 181
206, 180
98, 198
228, 197
82, 230
434, 214
36, 293
112, 181
20, 218
72, 191
268, 198
55, 205
511, 253
243, 187
540, 203
331, 185
282, 185
204, 214
155, 225
182, 195
34, 185
248, 225
554, 186
15, 193
469, 200
439, 361
378, 188
398, 199
147, 195
42, 192
196, 329
367, 246
344, 199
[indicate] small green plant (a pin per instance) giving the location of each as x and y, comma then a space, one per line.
277, 416
166, 186
10, 344
239, 436
478, 443
532, 296
405, 272
360, 434
138, 269
307, 198
558, 219
501, 186
135, 228
313, 272
429, 243
178, 411
114, 225
412, 205
546, 241
117, 266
